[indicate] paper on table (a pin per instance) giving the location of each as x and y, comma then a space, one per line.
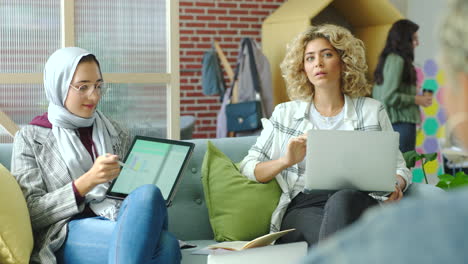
257, 242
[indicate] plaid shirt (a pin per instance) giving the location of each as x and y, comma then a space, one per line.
40, 170
292, 119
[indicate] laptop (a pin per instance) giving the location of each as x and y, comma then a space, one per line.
359, 160
155, 161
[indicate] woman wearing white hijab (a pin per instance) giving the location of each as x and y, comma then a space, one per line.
64, 161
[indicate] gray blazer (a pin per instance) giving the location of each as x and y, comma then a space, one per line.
42, 174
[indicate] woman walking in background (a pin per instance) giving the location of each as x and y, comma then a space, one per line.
395, 82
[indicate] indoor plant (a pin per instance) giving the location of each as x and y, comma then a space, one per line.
412, 156
446, 181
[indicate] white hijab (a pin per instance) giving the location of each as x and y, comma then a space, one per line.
58, 74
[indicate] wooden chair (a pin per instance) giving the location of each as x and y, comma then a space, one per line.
230, 73
8, 124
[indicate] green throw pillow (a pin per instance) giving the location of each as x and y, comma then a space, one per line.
239, 209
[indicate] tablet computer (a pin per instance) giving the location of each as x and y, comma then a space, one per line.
155, 161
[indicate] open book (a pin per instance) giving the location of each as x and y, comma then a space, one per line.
257, 242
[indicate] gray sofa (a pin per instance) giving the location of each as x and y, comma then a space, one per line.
188, 215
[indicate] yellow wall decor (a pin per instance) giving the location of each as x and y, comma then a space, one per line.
370, 21
433, 120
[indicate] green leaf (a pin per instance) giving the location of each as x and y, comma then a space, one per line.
460, 180
460, 174
429, 157
411, 157
446, 178
442, 185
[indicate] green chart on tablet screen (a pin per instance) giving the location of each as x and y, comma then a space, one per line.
151, 163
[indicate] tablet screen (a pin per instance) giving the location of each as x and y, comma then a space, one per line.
152, 161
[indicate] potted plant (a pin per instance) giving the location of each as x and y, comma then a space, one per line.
449, 181
446, 181
412, 156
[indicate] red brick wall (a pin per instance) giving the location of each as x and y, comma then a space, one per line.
201, 22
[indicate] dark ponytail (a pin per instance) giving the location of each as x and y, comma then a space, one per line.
400, 42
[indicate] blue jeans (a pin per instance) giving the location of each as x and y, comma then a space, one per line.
138, 236
407, 135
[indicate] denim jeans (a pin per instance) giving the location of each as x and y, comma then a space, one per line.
407, 135
139, 235
321, 213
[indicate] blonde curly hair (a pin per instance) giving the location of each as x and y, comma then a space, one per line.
350, 49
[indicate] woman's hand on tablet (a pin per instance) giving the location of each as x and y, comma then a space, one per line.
105, 168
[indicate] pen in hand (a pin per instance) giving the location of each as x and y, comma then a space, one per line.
126, 166
123, 164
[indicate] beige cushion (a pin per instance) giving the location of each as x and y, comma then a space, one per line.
16, 238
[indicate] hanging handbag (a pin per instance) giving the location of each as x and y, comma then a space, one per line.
245, 116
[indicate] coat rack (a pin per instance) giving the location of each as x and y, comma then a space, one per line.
227, 68
230, 74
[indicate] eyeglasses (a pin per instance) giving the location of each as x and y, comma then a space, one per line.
86, 89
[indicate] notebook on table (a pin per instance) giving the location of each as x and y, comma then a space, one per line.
274, 254
155, 161
360, 160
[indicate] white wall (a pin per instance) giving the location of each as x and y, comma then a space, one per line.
427, 14
401, 5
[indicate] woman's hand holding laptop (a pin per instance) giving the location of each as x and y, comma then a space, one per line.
398, 193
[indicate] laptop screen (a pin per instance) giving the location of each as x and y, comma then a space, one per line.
152, 161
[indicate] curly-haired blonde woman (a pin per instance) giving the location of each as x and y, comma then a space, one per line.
324, 69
